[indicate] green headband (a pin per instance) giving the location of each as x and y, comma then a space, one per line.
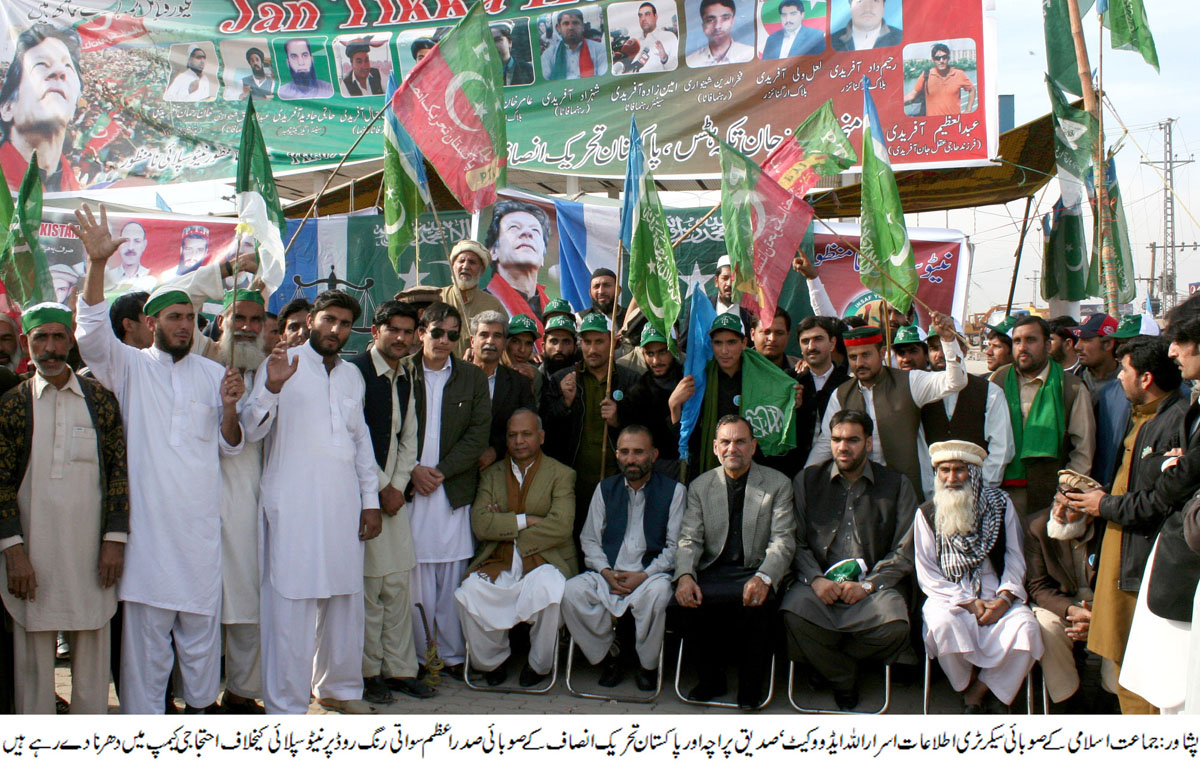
47, 313
242, 295
164, 298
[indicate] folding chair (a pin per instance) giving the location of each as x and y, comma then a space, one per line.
929, 659
719, 703
619, 698
511, 688
887, 695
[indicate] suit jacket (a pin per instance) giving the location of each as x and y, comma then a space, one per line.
551, 497
1176, 566
888, 36
807, 42
1050, 569
466, 422
512, 392
883, 520
374, 84
768, 523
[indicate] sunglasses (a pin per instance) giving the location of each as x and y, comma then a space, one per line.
437, 333
941, 57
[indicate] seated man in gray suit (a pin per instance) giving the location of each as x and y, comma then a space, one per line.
737, 540
854, 552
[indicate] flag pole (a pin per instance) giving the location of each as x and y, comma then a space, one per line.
316, 199
612, 354
689, 231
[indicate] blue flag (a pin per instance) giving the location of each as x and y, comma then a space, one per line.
699, 353
635, 169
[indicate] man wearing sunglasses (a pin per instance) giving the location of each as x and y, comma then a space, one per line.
454, 417
943, 85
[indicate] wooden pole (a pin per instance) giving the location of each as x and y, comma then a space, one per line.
612, 355
689, 231
1012, 288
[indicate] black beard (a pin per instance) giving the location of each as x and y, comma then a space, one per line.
304, 80
160, 342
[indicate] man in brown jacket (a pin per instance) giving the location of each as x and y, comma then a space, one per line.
523, 516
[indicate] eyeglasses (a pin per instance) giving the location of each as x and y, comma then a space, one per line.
437, 333
941, 57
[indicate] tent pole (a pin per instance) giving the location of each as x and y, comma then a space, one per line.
1020, 245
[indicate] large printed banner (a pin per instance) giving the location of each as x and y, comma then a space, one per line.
140, 91
162, 246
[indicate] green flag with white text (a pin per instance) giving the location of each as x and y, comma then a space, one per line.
768, 403
23, 267
1064, 254
259, 211
1126, 19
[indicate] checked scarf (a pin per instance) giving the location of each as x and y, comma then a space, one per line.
962, 556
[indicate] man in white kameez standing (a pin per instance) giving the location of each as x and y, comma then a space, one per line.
971, 566
454, 419
180, 414
628, 545
320, 502
64, 517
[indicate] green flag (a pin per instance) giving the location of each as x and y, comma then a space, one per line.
1064, 254
406, 188
23, 267
1075, 133
1119, 233
768, 403
6, 214
887, 265
653, 276
259, 212
1126, 19
1061, 62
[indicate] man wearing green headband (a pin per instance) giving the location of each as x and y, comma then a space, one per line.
53, 512
180, 414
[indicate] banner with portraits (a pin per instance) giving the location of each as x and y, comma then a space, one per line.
117, 92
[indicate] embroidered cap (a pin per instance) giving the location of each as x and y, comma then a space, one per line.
557, 306
595, 322
242, 295
908, 335
651, 334
164, 296
47, 313
469, 245
1137, 325
956, 451
566, 323
863, 335
1075, 481
727, 322
522, 324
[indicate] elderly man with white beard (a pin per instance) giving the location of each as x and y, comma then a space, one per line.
468, 260
971, 566
1060, 550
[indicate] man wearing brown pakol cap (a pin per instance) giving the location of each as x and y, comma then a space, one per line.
468, 260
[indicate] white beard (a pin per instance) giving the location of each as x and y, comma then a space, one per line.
1060, 531
954, 509
465, 285
249, 353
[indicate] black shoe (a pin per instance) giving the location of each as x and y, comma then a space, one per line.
647, 679
749, 700
413, 688
972, 708
497, 676
240, 706
193, 710
611, 672
706, 691
529, 677
375, 690
451, 672
846, 699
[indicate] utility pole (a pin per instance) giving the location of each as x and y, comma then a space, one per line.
1034, 278
1168, 163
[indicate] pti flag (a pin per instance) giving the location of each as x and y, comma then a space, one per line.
653, 278
23, 268
699, 353
1126, 19
259, 213
1064, 254
768, 403
1118, 236
817, 148
406, 191
764, 225
450, 105
886, 264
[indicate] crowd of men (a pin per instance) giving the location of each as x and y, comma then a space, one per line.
358, 529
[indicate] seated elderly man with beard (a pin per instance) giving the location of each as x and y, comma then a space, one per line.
1061, 549
971, 566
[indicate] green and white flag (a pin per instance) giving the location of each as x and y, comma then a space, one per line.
406, 187
1075, 135
1061, 62
1064, 254
653, 276
1126, 19
259, 212
768, 403
887, 265
1119, 233
23, 267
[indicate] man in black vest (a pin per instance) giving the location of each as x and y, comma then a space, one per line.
389, 656
853, 558
818, 336
893, 399
977, 414
509, 389
628, 544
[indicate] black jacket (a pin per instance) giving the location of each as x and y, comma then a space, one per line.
512, 391
1141, 510
563, 424
647, 403
812, 408
1176, 566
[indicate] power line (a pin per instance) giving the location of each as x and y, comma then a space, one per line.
1168, 163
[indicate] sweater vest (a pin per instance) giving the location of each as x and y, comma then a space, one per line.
377, 405
659, 491
969, 416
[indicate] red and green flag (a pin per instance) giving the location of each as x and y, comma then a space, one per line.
451, 106
23, 267
886, 264
817, 148
764, 225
